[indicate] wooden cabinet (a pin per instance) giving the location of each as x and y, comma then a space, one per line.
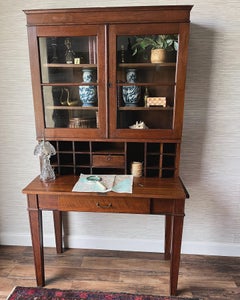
101, 105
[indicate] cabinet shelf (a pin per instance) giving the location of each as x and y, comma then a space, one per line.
145, 108
64, 84
158, 153
148, 84
66, 107
77, 66
147, 65
109, 152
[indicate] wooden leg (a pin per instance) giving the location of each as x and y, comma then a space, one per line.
168, 237
176, 252
57, 218
35, 218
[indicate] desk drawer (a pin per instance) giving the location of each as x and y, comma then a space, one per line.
116, 161
104, 204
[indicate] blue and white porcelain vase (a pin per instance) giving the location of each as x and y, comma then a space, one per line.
88, 93
131, 93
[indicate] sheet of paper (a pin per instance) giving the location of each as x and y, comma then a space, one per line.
123, 184
115, 183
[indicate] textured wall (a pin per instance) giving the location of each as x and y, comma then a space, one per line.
211, 139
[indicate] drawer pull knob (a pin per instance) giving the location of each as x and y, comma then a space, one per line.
104, 206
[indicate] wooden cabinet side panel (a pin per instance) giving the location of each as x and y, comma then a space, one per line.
36, 80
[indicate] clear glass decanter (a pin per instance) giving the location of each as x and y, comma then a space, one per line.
45, 150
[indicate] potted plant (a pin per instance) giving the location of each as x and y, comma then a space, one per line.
158, 44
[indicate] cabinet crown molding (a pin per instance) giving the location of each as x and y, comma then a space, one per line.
104, 15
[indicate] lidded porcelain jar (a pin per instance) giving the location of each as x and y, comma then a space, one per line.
88, 93
131, 93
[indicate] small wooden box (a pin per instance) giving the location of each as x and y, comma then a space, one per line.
156, 101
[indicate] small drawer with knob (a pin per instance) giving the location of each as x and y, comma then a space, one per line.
109, 160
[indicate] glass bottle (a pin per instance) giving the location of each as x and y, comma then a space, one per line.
45, 150
146, 95
69, 55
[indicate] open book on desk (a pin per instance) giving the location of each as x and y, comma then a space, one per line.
104, 183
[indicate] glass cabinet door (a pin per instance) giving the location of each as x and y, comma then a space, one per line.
144, 88
72, 88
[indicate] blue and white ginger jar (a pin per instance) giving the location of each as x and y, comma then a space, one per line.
131, 93
88, 93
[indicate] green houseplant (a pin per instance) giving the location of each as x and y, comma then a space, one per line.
161, 43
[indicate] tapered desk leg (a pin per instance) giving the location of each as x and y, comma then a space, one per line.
57, 218
176, 251
35, 218
168, 237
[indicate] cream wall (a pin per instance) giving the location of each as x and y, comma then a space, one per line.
211, 139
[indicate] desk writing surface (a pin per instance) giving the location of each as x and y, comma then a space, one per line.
167, 188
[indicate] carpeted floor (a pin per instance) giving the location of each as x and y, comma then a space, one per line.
34, 293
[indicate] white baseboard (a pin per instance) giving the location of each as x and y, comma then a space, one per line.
188, 247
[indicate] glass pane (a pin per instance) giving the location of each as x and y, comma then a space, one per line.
62, 110
62, 58
69, 81
146, 86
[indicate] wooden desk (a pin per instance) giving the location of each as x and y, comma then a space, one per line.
150, 196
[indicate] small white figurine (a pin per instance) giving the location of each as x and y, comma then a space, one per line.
139, 125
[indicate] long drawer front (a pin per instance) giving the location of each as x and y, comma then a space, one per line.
104, 204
